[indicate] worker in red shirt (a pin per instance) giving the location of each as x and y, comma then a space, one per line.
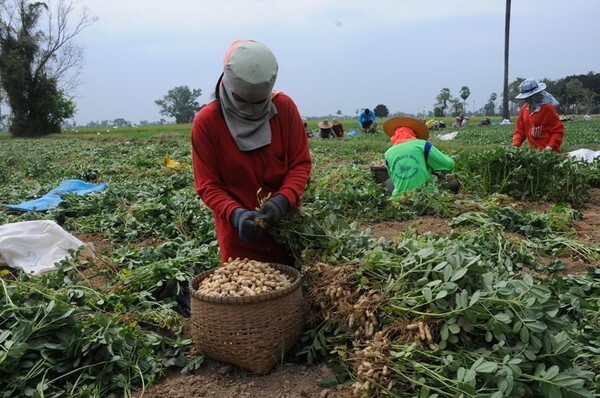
538, 122
250, 155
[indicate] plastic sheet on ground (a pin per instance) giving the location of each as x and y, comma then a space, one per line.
35, 246
585, 154
52, 199
448, 137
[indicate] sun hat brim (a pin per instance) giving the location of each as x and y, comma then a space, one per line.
324, 125
421, 130
527, 94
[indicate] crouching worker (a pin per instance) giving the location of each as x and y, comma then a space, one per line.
412, 159
249, 145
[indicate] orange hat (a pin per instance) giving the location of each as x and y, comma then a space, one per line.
421, 130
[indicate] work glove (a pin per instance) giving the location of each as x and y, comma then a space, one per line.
274, 209
548, 148
244, 221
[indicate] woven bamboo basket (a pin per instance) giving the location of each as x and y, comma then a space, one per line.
252, 332
380, 173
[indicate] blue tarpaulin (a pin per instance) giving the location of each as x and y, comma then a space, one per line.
52, 198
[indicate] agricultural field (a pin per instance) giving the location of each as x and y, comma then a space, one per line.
491, 292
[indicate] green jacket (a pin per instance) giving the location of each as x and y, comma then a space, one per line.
408, 167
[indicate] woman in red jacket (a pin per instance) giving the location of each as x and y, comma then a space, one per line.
538, 122
249, 145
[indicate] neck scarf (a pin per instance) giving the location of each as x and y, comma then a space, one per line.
250, 72
403, 134
541, 98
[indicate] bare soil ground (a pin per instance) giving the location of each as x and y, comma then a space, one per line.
290, 380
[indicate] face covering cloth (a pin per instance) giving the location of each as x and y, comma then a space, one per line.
249, 74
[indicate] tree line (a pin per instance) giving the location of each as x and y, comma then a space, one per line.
576, 94
39, 66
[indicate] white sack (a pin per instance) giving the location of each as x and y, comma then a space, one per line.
585, 154
35, 246
448, 137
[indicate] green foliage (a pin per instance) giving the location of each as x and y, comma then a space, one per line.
179, 103
381, 111
348, 191
58, 349
526, 174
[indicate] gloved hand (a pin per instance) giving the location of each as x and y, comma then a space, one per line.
274, 209
244, 221
548, 148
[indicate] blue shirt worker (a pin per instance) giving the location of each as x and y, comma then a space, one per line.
367, 121
412, 158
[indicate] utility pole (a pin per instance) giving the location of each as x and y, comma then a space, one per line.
505, 110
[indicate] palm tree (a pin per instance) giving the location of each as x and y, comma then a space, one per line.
505, 110
464, 94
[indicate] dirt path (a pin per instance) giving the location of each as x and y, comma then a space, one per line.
219, 380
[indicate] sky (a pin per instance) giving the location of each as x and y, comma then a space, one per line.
333, 55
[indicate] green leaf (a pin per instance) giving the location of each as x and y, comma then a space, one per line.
551, 372
459, 274
441, 294
440, 266
474, 298
524, 335
463, 299
4, 335
567, 380
470, 375
427, 293
489, 336
562, 347
434, 283
444, 332
536, 326
448, 272
454, 328
487, 367
502, 385
502, 317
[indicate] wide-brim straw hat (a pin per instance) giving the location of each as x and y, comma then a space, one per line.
421, 130
324, 124
529, 87
335, 121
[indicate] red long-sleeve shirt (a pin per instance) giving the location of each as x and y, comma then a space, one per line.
227, 178
552, 128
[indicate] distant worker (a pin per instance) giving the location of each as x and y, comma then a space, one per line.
367, 121
538, 122
458, 121
485, 121
587, 117
412, 158
337, 128
325, 129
